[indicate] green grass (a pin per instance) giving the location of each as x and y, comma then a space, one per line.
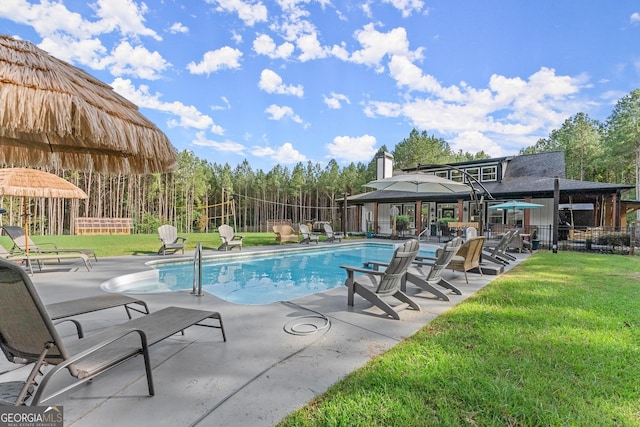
135, 244
554, 342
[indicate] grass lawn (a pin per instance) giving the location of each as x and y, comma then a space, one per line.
554, 342
135, 244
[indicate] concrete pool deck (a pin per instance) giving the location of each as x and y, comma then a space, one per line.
261, 374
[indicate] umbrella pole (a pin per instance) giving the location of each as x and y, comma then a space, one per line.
25, 223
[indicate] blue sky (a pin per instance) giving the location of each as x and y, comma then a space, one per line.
288, 81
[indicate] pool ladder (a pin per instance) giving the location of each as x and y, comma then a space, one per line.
197, 271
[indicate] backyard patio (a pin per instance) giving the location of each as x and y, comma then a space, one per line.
257, 377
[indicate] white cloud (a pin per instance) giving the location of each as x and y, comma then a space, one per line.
178, 28
224, 58
512, 107
334, 100
70, 37
376, 45
407, 7
264, 45
277, 112
352, 149
285, 154
124, 15
249, 13
136, 61
473, 142
188, 116
635, 18
88, 52
271, 82
226, 146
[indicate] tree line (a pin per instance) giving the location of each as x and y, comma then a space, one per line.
200, 195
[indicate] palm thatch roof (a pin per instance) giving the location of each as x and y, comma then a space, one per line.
23, 182
53, 114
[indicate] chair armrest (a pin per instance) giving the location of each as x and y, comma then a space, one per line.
423, 263
350, 268
184, 239
375, 265
53, 245
420, 257
144, 349
237, 237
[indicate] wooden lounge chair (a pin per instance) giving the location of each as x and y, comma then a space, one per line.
426, 273
307, 235
171, 242
229, 238
39, 258
468, 257
285, 233
21, 242
374, 284
28, 335
331, 235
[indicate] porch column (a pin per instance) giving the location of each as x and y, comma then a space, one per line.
526, 220
375, 218
418, 218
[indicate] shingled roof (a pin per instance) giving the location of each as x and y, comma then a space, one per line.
530, 175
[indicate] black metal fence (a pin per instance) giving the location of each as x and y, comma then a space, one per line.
610, 240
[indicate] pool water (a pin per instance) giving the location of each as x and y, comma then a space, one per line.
263, 278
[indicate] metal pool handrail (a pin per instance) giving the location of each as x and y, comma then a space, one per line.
197, 271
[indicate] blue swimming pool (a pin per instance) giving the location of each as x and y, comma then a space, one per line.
260, 278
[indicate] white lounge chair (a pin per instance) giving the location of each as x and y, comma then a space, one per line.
229, 238
307, 235
171, 242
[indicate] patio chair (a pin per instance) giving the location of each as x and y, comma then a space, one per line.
171, 242
229, 239
331, 235
21, 242
307, 235
285, 233
428, 280
374, 284
520, 242
77, 307
28, 335
468, 257
498, 254
39, 258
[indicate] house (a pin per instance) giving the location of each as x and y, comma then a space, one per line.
530, 177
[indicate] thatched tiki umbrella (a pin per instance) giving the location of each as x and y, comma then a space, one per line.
22, 182
53, 114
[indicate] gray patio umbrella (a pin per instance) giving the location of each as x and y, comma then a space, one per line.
419, 183
55, 115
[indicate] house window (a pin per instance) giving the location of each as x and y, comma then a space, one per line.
442, 174
489, 173
474, 174
456, 176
